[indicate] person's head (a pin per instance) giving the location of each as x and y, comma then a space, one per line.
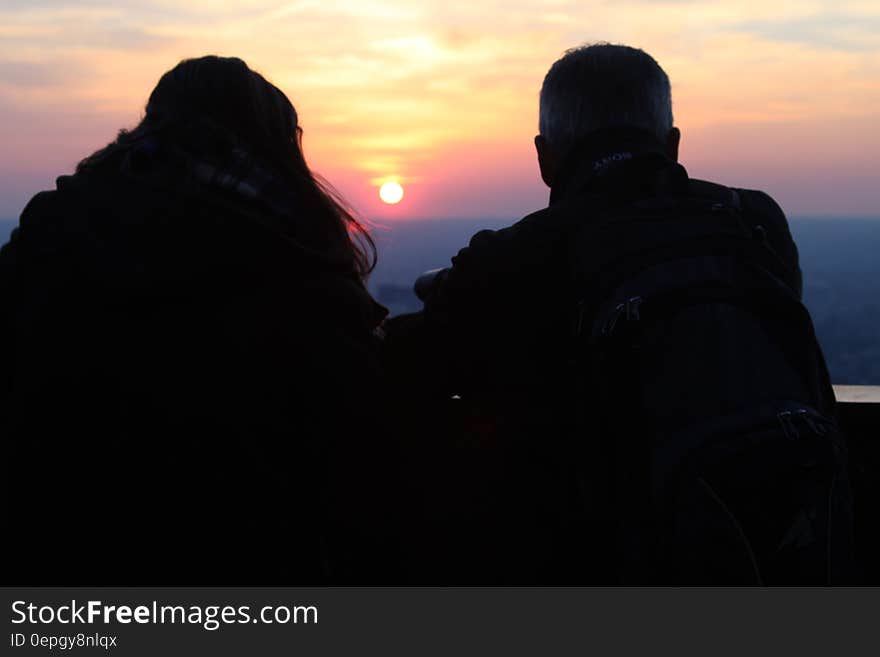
601, 86
215, 105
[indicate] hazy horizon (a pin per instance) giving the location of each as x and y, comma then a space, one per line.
383, 224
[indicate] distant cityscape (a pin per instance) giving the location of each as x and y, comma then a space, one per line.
840, 259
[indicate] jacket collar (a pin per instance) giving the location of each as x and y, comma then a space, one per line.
622, 161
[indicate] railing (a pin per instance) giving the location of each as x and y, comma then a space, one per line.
859, 415
858, 394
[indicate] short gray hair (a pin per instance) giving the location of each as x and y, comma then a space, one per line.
603, 85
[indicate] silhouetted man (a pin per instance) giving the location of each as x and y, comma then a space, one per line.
625, 350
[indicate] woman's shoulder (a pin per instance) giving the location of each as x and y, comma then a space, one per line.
48, 219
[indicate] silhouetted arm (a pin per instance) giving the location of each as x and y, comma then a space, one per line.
486, 316
440, 348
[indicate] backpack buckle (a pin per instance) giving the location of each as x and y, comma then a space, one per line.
632, 309
628, 309
787, 423
817, 428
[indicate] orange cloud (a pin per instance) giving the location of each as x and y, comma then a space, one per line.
443, 95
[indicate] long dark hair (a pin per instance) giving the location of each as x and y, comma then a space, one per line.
216, 105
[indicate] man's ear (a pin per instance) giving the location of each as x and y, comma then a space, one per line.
546, 161
673, 139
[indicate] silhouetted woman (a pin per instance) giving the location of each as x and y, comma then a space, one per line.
191, 382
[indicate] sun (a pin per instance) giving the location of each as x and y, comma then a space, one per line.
391, 192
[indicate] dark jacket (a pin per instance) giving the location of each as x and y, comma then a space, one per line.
190, 395
497, 331
493, 322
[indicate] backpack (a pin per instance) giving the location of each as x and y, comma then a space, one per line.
706, 440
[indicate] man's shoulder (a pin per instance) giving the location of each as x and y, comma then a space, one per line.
541, 228
750, 200
761, 212
510, 246
533, 223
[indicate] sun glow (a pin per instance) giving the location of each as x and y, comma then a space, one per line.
391, 192
394, 90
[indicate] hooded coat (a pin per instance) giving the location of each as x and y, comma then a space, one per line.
190, 393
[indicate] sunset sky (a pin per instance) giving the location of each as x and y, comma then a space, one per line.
443, 96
